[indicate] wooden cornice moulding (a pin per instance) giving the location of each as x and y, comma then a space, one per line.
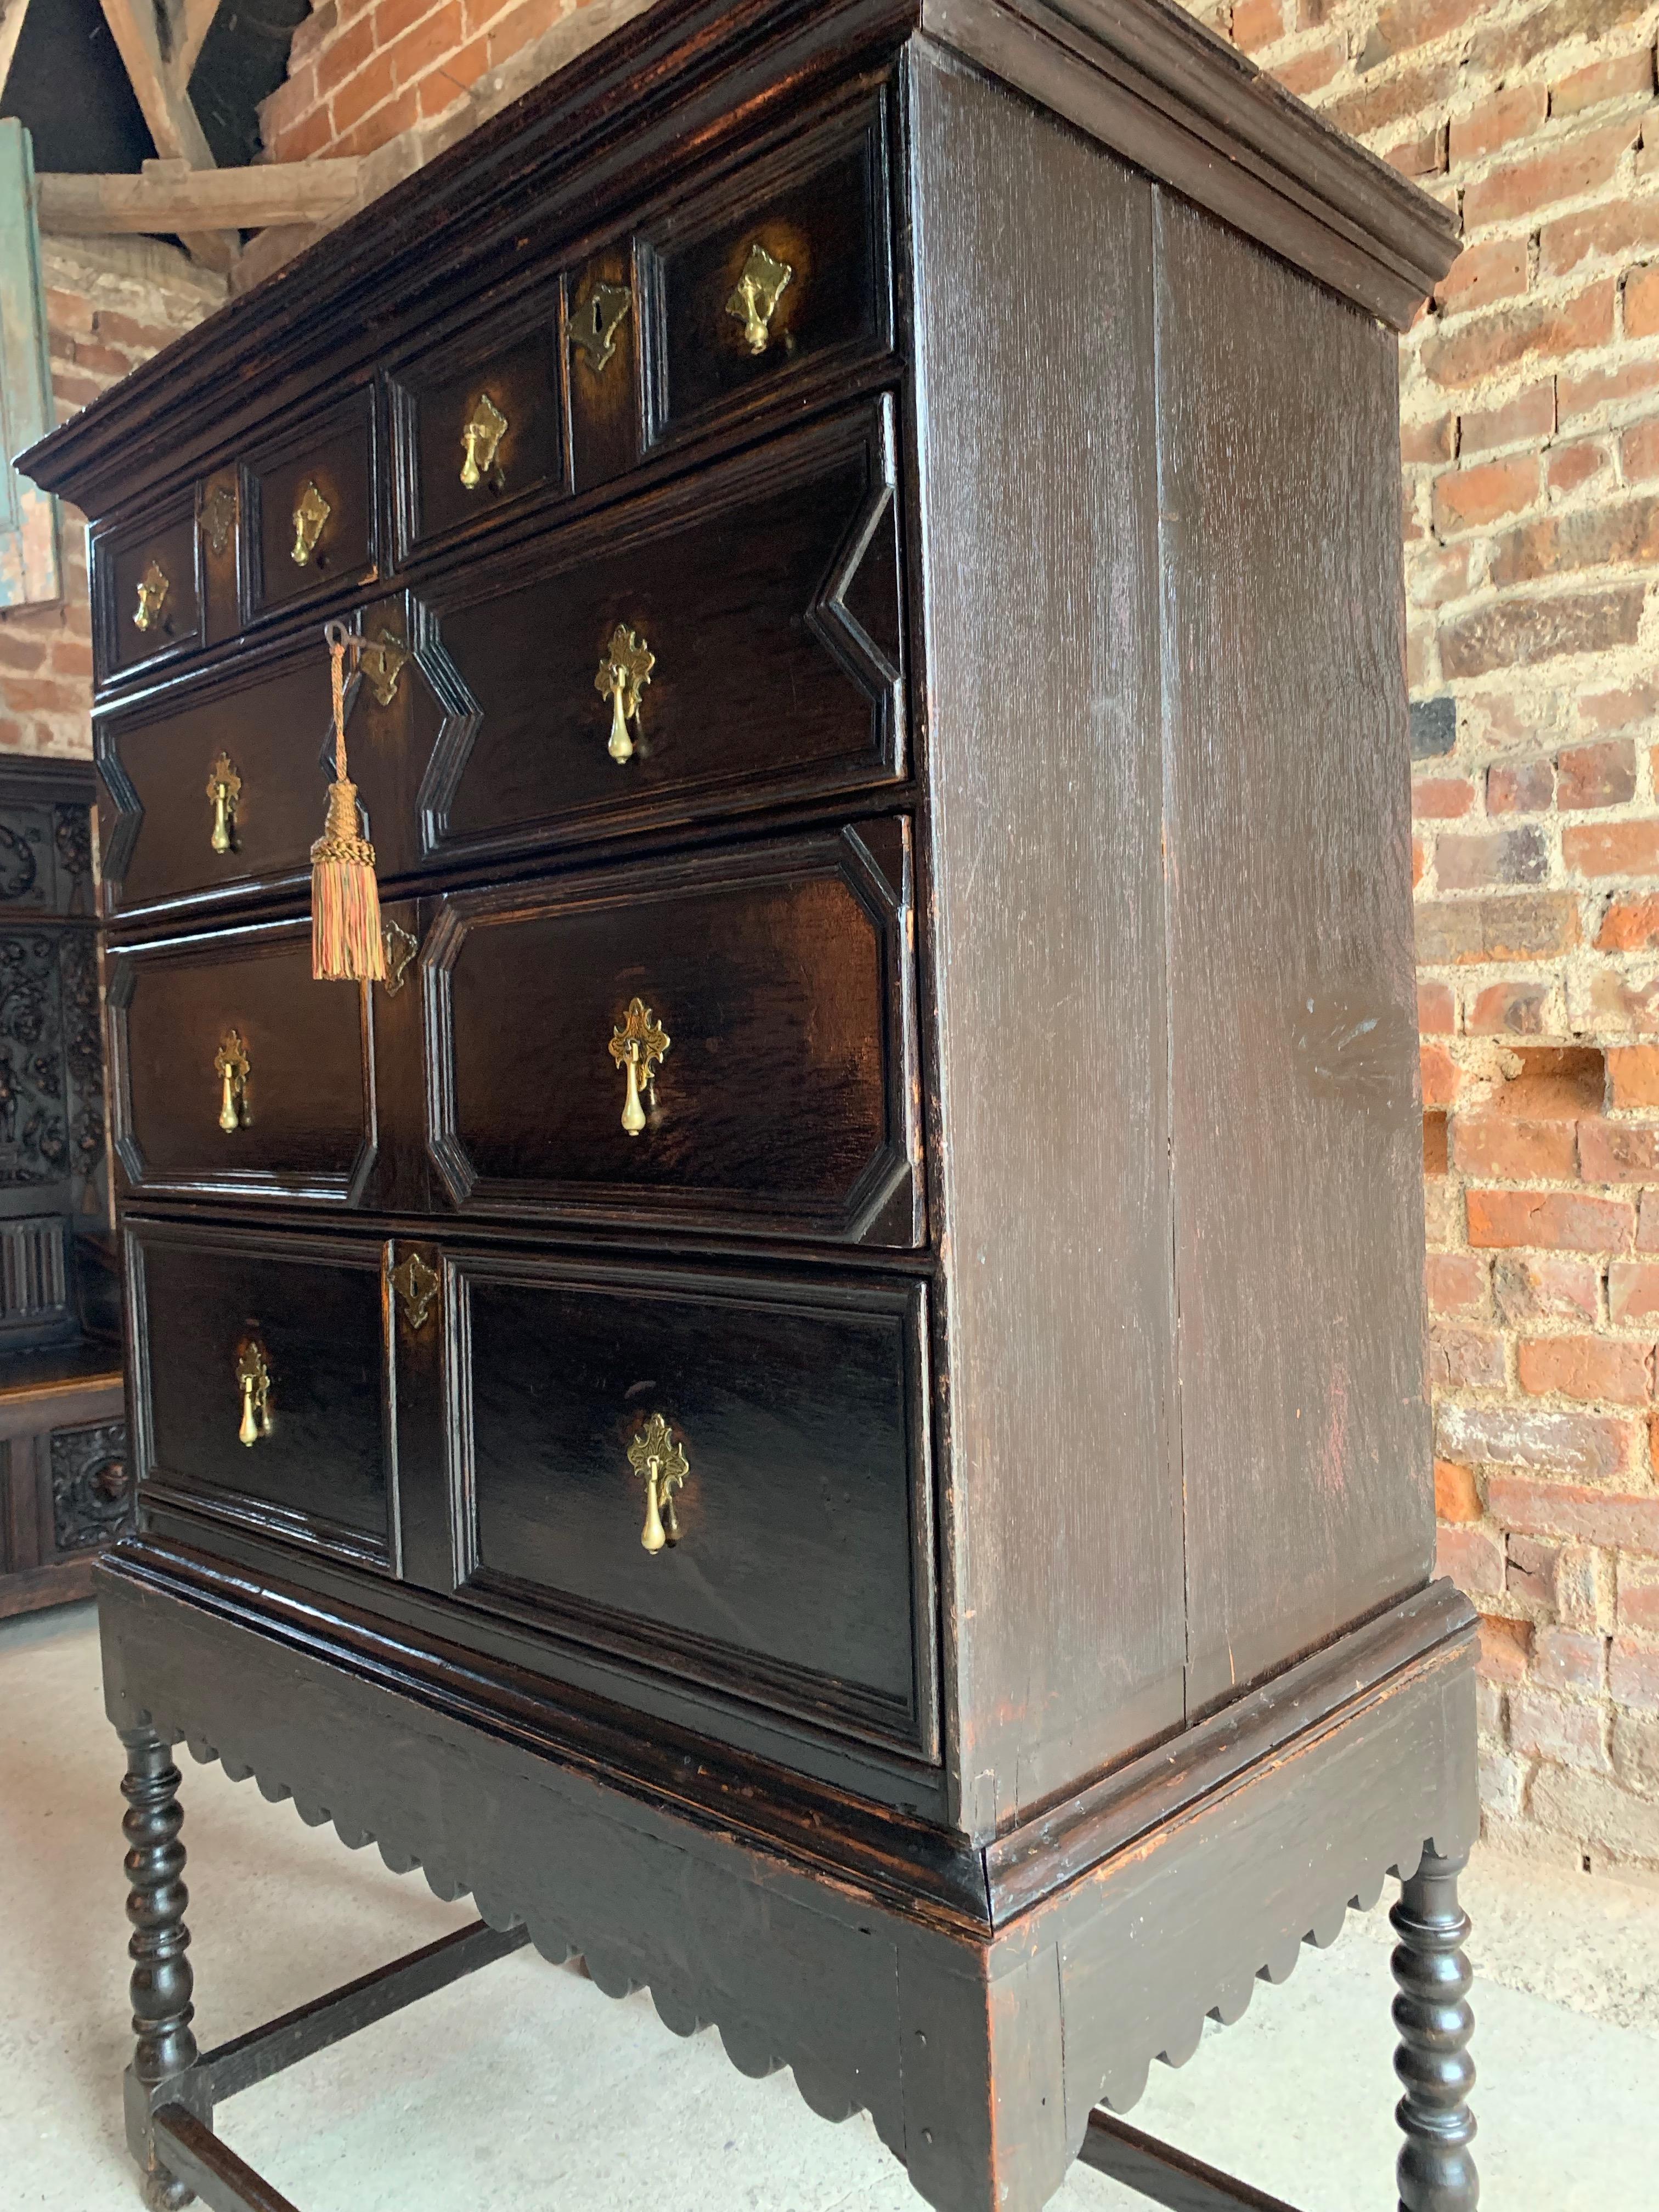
1139, 75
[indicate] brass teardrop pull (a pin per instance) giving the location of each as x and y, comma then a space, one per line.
311, 515
481, 435
755, 297
662, 1467
253, 1390
233, 1067
224, 789
623, 674
153, 589
637, 1044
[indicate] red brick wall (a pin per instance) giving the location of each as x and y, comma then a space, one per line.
109, 306
362, 72
1529, 395
1530, 402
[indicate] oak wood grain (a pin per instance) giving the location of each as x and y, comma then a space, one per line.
1038, 495
1297, 1160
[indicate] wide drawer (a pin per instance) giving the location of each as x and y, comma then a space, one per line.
235, 1073
749, 619
216, 786
725, 1042
259, 1393
768, 1440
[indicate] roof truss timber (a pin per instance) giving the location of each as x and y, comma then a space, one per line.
159, 81
171, 196
12, 13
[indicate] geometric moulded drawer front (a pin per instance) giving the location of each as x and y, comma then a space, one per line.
235, 1072
749, 617
792, 1565
725, 1040
216, 786
258, 1390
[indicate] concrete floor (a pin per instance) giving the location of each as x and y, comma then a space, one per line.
524, 2089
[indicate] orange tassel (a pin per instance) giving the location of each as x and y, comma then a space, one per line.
346, 944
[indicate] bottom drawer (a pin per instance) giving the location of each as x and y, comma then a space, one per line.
781, 1429
258, 1384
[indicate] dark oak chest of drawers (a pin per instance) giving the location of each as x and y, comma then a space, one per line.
821, 1395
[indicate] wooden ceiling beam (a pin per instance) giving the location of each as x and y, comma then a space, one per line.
192, 21
171, 196
166, 111
12, 13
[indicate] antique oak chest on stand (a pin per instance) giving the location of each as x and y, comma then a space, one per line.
819, 1399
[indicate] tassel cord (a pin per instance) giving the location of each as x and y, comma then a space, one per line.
346, 941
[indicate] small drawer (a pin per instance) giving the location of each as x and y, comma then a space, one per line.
747, 622
236, 1073
726, 1042
787, 1516
479, 427
309, 500
258, 1394
780, 275
215, 787
148, 591
602, 347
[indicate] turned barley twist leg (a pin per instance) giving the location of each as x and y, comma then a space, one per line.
162, 1979
1436, 2171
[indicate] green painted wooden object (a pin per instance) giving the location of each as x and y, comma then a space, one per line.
29, 574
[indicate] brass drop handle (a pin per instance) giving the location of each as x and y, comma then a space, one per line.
224, 789
153, 589
624, 672
253, 1388
754, 298
662, 1467
481, 435
232, 1066
311, 515
637, 1045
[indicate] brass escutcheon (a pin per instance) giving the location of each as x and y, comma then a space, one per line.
481, 435
623, 674
311, 515
219, 519
594, 324
381, 661
233, 1067
224, 789
253, 1389
401, 946
153, 589
637, 1045
417, 1286
662, 1467
755, 297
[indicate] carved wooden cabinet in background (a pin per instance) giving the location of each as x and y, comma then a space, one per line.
820, 1397
65, 1485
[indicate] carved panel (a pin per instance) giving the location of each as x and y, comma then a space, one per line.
91, 1485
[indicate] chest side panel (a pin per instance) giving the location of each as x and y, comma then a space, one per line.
1297, 1167
1062, 1514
